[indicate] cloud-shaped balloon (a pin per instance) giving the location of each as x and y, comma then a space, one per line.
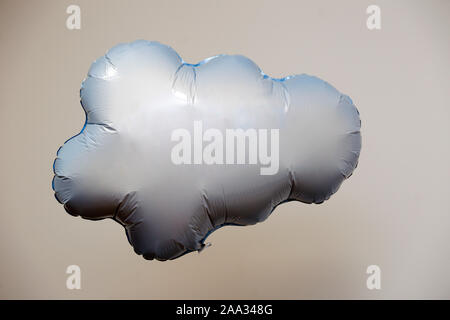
173, 151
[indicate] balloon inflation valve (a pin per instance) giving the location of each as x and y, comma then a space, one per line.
204, 245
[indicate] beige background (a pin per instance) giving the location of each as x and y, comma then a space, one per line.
394, 211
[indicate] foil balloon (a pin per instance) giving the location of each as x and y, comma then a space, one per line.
173, 151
